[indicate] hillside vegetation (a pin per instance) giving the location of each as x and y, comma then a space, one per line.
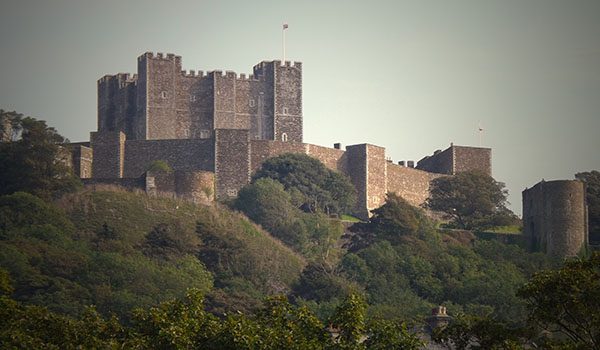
120, 250
180, 275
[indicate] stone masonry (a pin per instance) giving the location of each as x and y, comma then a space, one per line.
227, 125
555, 217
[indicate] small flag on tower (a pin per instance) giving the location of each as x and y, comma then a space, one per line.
285, 26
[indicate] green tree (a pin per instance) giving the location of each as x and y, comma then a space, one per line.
566, 301
592, 182
32, 158
267, 203
386, 334
473, 200
160, 166
473, 332
396, 217
310, 183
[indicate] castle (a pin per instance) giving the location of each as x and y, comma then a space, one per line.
215, 129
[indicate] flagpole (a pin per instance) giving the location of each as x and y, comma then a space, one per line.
285, 26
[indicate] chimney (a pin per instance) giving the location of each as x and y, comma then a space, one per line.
438, 318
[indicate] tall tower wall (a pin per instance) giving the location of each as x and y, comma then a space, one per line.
108, 153
116, 103
288, 101
232, 162
367, 169
162, 88
457, 159
555, 217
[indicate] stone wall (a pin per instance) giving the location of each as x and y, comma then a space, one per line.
232, 162
128, 184
161, 91
82, 160
334, 159
555, 217
288, 101
357, 172
117, 103
367, 169
457, 159
376, 177
163, 102
185, 155
261, 150
441, 162
254, 100
472, 158
108, 154
410, 184
194, 186
197, 186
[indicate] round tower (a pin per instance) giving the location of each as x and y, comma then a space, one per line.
555, 217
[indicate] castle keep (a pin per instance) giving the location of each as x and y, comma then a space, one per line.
215, 129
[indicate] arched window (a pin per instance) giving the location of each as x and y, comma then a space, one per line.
163, 94
284, 137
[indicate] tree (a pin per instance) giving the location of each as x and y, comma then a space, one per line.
160, 166
476, 332
393, 220
567, 301
473, 200
592, 182
32, 158
311, 183
397, 218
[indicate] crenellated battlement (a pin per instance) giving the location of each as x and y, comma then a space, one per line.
123, 78
160, 56
193, 73
250, 77
289, 64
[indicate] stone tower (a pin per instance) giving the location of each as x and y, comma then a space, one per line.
163, 102
555, 217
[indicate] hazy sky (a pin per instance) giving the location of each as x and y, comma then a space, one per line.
411, 76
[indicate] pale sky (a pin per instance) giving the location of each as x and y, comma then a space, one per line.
411, 76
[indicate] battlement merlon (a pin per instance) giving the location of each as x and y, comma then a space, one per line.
160, 56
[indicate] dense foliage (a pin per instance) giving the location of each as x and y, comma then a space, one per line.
567, 301
184, 324
311, 185
56, 264
267, 203
473, 200
564, 313
119, 250
32, 158
592, 182
405, 267
136, 256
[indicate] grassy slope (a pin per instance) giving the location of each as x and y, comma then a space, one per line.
251, 253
